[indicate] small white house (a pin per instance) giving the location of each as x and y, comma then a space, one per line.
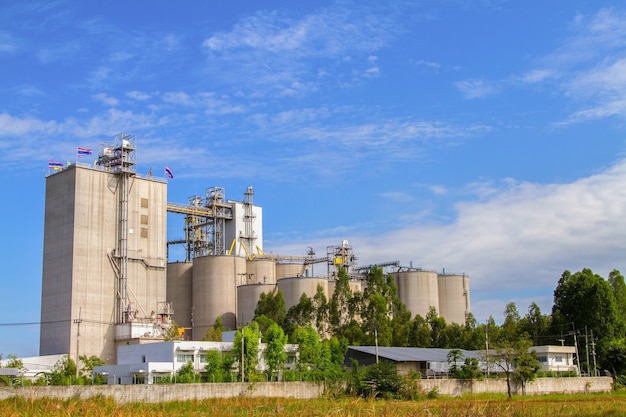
146, 363
556, 358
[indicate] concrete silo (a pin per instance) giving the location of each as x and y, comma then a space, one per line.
214, 291
260, 271
418, 290
293, 288
179, 291
247, 298
288, 270
454, 297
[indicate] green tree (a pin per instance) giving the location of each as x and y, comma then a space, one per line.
586, 299
472, 334
507, 355
615, 354
275, 356
401, 324
214, 367
526, 366
272, 305
510, 327
249, 349
455, 356
380, 380
377, 323
437, 328
535, 324
299, 315
321, 308
339, 313
63, 372
309, 348
186, 374
354, 334
616, 280
89, 363
215, 333
419, 335
470, 370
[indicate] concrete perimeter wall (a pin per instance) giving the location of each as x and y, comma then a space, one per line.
540, 386
300, 390
155, 393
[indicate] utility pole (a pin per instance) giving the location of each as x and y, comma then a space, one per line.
78, 321
593, 351
487, 346
587, 350
576, 347
376, 340
243, 346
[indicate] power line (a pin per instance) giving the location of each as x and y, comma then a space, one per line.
36, 323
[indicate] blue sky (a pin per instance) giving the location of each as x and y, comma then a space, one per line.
481, 137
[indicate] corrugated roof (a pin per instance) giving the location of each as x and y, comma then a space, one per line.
414, 354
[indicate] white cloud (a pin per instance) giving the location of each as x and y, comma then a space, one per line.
397, 196
517, 241
138, 95
11, 126
476, 88
106, 99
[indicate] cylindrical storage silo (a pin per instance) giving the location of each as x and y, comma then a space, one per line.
418, 290
260, 271
247, 298
214, 291
288, 270
454, 297
293, 288
178, 291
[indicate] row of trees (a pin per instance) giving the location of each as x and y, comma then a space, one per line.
588, 311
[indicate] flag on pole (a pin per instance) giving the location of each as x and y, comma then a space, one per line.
54, 164
83, 152
169, 172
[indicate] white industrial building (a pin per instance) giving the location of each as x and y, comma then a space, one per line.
107, 280
147, 363
554, 358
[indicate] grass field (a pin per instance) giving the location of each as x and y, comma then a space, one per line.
552, 406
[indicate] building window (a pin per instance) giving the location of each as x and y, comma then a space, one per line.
184, 357
144, 203
203, 358
144, 232
543, 359
144, 219
558, 358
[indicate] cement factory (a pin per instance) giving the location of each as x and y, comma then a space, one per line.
107, 280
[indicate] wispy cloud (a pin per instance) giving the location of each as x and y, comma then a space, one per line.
278, 49
7, 42
106, 99
476, 88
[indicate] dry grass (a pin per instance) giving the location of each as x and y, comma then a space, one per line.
549, 406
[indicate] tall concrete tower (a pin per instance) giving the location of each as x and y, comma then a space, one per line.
105, 256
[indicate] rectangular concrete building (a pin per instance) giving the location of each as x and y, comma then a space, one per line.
80, 305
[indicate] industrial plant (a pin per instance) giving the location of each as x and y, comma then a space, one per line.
107, 280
